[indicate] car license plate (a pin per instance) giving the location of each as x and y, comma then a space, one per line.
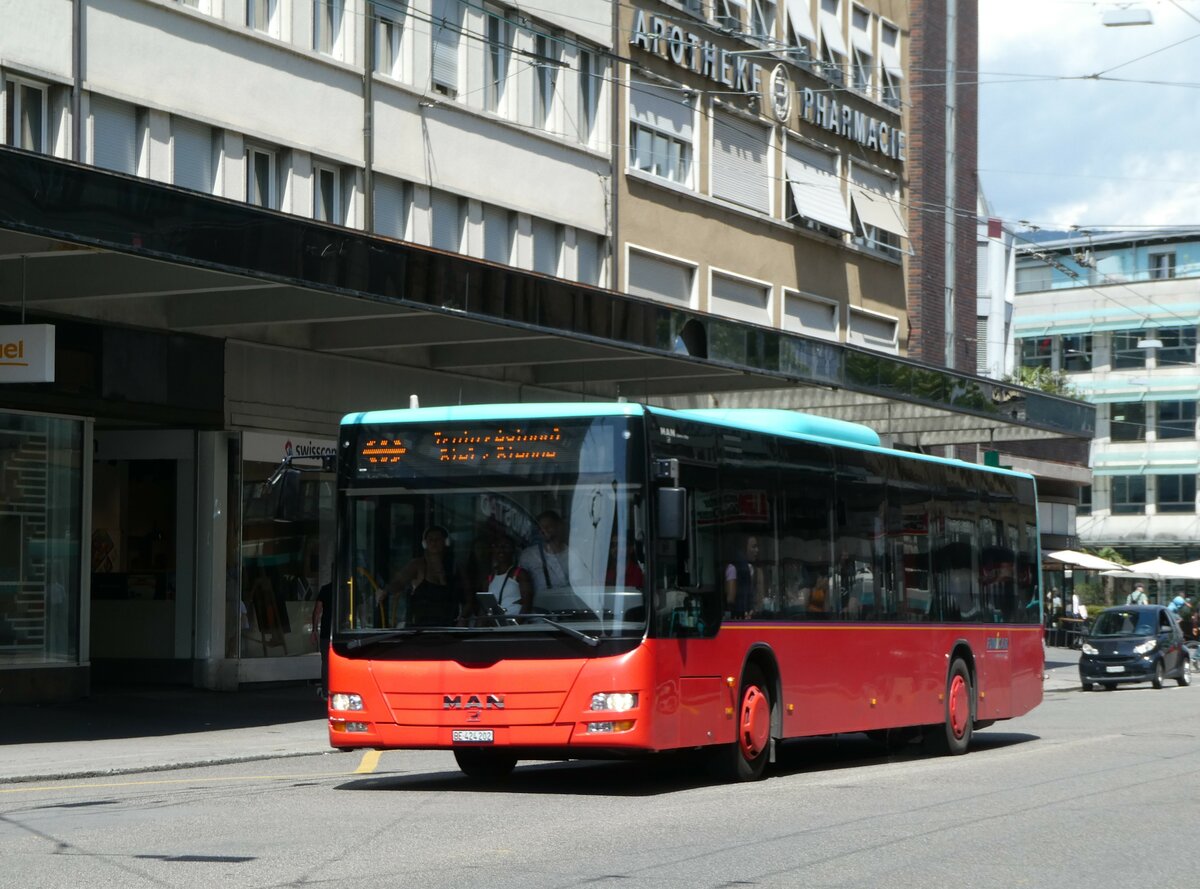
472, 736
1115, 669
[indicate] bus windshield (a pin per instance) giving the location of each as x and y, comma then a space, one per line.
495, 528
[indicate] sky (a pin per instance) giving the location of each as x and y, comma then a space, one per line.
1059, 147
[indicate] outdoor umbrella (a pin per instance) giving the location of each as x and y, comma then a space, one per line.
1084, 560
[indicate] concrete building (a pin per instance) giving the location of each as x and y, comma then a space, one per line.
234, 221
1116, 314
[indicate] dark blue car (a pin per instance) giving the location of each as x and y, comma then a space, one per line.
1134, 643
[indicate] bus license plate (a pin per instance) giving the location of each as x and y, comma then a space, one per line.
472, 736
1115, 669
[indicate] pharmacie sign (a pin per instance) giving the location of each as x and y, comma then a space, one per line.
693, 52
27, 353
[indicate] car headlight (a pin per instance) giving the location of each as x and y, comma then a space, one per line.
1089, 649
341, 701
1146, 647
615, 701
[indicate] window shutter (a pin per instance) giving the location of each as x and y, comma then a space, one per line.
445, 43
981, 345
114, 135
661, 109
192, 149
743, 300
391, 207
587, 257
658, 278
739, 163
447, 228
801, 315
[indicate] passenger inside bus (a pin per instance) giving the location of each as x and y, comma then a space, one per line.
546, 559
744, 581
509, 583
425, 592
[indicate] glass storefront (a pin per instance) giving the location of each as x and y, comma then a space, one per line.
284, 559
41, 488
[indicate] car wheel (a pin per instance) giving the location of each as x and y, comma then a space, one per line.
1185, 673
1157, 681
1087, 686
1111, 686
485, 765
954, 735
746, 758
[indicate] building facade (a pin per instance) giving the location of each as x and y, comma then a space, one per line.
1115, 316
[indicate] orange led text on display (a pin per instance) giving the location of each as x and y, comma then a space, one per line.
384, 450
469, 446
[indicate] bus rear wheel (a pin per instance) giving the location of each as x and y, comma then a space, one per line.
485, 765
953, 736
746, 758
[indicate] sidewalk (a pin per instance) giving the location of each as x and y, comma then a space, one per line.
118, 731
150, 729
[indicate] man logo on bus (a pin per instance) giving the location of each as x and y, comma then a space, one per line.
473, 702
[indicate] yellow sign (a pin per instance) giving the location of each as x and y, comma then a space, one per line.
27, 353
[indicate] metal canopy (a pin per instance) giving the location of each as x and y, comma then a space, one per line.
80, 243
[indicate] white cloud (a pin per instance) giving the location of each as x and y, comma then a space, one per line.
1075, 150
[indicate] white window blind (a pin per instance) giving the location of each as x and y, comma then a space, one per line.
800, 15
877, 201
739, 163
447, 221
114, 135
831, 27
735, 298
392, 200
815, 187
669, 111
872, 331
658, 278
981, 346
545, 247
889, 50
810, 316
587, 257
982, 289
192, 155
497, 234
446, 26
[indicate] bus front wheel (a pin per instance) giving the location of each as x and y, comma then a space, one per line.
746, 758
485, 765
953, 736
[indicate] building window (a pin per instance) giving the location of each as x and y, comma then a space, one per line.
447, 218
1077, 353
260, 177
446, 29
327, 26
660, 278
25, 123
1128, 421
389, 37
810, 315
499, 50
546, 67
878, 216
591, 77
1176, 419
499, 227
814, 192
1176, 493
326, 194
741, 299
1126, 353
1085, 500
763, 14
1037, 352
589, 258
261, 15
1128, 494
860, 40
741, 162
1178, 347
891, 74
117, 135
801, 35
833, 45
728, 13
548, 242
1033, 278
660, 132
1162, 265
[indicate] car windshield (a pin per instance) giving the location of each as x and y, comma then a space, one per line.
1120, 622
550, 539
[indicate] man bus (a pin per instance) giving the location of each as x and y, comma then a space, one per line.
727, 579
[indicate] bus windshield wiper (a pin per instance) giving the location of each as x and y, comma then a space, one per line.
568, 629
366, 641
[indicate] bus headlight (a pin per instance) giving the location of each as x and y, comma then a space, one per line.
616, 701
342, 701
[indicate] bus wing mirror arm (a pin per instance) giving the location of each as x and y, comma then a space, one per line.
672, 513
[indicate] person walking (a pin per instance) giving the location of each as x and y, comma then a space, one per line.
1138, 596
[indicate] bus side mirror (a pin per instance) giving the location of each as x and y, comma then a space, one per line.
286, 494
672, 513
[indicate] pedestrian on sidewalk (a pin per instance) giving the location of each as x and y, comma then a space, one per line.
322, 631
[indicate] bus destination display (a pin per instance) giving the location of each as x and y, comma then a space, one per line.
480, 447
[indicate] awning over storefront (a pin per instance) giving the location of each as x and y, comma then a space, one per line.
78, 243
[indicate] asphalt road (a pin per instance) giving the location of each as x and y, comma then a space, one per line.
1089, 790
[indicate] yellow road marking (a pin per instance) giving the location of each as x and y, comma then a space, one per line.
369, 761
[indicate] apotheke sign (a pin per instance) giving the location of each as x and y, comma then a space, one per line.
27, 353
692, 52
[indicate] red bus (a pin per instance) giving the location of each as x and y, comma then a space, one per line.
573, 581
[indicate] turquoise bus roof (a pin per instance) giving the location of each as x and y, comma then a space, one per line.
775, 421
